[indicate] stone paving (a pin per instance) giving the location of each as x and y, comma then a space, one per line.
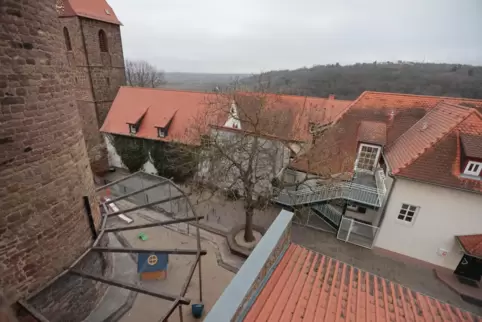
214, 277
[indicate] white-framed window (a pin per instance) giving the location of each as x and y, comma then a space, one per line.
473, 168
407, 213
367, 157
132, 129
161, 132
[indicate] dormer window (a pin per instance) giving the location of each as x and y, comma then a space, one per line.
368, 156
473, 168
132, 129
161, 132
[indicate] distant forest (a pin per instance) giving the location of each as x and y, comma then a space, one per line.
348, 82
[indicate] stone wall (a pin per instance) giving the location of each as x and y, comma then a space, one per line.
44, 168
98, 76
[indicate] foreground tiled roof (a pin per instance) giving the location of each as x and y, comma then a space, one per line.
399, 112
93, 9
472, 244
307, 286
424, 134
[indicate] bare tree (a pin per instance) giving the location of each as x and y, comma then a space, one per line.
247, 154
140, 73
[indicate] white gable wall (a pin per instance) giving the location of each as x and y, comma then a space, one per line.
443, 214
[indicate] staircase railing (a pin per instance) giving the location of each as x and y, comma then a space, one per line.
330, 212
342, 190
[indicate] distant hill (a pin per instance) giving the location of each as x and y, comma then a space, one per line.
348, 82
200, 81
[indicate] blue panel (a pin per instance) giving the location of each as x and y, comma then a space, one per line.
151, 262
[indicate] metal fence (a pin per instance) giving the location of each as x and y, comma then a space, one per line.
345, 190
356, 232
178, 208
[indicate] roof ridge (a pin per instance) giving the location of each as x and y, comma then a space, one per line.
433, 110
340, 115
162, 89
419, 95
240, 92
437, 140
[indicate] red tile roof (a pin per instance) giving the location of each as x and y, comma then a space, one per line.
472, 244
288, 116
440, 121
158, 107
307, 286
472, 145
398, 111
93, 9
441, 163
372, 132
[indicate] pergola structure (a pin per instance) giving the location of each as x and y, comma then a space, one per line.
177, 299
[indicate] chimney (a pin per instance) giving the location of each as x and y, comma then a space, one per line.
331, 96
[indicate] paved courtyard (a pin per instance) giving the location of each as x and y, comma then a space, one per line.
214, 278
223, 214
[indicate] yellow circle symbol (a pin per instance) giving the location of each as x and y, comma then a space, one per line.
152, 260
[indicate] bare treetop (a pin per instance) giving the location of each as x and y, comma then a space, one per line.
140, 73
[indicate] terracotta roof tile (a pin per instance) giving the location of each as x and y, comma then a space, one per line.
424, 134
472, 145
307, 286
440, 163
472, 244
287, 117
398, 111
93, 9
158, 107
372, 132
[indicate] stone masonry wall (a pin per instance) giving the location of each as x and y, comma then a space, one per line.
44, 168
98, 76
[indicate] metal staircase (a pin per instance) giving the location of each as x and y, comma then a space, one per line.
330, 212
341, 190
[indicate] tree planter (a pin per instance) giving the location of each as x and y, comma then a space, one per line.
237, 249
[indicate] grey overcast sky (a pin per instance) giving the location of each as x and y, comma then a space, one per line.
249, 36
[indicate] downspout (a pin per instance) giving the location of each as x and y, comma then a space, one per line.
89, 72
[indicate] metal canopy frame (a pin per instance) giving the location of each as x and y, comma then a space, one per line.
177, 300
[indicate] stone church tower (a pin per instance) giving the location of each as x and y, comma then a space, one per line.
92, 40
46, 182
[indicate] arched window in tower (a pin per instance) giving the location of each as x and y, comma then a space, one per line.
68, 44
103, 41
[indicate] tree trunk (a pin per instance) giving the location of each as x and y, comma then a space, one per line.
248, 229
